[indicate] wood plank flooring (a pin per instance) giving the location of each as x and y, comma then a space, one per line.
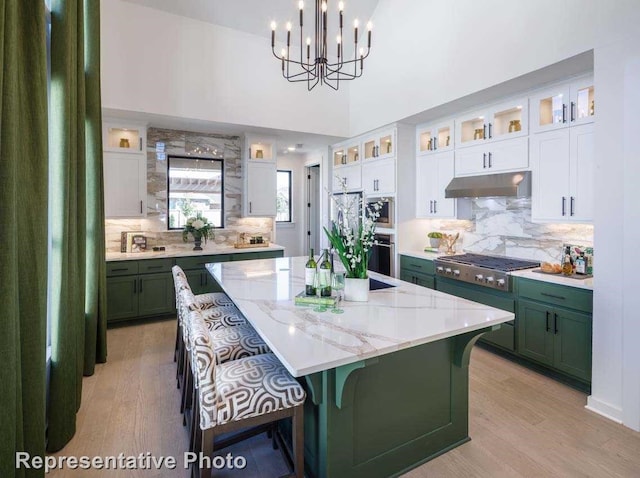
522, 424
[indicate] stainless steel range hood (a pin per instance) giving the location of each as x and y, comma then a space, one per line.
490, 185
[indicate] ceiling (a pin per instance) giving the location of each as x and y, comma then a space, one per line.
254, 16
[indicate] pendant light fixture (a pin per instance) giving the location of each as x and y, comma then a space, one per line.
314, 64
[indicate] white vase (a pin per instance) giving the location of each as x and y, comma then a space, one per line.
434, 241
356, 290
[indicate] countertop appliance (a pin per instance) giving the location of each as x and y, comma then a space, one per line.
480, 269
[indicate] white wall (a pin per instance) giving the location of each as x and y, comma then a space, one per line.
427, 53
291, 235
155, 62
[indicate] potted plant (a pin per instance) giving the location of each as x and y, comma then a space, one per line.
199, 227
353, 244
434, 239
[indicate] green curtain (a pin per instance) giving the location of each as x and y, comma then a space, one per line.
23, 231
76, 218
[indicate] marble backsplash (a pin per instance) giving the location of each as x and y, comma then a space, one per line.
164, 142
503, 226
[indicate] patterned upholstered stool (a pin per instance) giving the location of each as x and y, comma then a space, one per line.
205, 301
232, 335
247, 392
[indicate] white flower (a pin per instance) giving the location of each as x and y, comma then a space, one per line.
198, 224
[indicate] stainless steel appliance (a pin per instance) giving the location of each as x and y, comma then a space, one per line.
480, 269
385, 220
382, 255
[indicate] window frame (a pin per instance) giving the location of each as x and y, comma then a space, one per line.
290, 188
183, 156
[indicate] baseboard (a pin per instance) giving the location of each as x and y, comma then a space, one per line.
604, 409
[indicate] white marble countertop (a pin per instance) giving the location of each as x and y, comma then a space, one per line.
555, 279
306, 341
529, 274
208, 250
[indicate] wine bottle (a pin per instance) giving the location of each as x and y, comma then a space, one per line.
567, 262
324, 275
310, 275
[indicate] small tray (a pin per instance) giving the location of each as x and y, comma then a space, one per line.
572, 276
247, 245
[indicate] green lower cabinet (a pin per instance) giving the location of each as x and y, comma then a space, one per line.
122, 298
155, 294
535, 333
572, 346
555, 336
422, 280
196, 282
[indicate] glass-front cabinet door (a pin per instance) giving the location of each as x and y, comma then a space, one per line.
346, 154
379, 145
434, 138
502, 121
566, 105
123, 138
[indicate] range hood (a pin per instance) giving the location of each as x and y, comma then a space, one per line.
490, 185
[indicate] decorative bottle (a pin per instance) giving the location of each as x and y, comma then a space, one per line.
324, 275
310, 275
567, 262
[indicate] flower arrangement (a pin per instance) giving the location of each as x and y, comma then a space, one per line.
353, 242
199, 227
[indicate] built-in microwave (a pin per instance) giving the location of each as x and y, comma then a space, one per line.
385, 220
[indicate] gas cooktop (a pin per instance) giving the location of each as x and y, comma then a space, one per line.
486, 271
506, 264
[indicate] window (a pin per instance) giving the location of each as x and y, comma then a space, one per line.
283, 213
196, 188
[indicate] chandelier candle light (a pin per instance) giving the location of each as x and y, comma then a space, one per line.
318, 69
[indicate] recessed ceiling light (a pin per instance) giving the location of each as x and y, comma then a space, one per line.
291, 148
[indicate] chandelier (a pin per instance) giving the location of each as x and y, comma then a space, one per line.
317, 67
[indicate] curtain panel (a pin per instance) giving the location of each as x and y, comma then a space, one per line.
77, 269
23, 231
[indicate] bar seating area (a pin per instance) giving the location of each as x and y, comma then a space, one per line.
232, 386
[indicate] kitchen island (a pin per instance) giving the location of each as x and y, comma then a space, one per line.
387, 380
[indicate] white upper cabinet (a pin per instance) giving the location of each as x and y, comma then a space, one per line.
434, 138
125, 185
259, 177
433, 174
379, 177
498, 157
350, 176
494, 123
124, 138
346, 154
562, 163
381, 144
568, 104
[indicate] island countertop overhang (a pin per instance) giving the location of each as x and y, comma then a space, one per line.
306, 341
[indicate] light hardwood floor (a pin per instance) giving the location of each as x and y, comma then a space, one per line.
522, 424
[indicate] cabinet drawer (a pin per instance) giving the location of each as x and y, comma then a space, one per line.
417, 278
247, 256
499, 300
564, 296
122, 268
198, 262
414, 264
155, 265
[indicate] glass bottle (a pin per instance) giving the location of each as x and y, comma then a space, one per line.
310, 275
324, 275
581, 264
567, 262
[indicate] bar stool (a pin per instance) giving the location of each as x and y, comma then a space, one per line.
205, 301
252, 391
233, 336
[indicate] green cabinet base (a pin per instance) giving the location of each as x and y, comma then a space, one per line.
382, 417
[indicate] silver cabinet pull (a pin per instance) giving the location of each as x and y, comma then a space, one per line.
435, 207
140, 144
564, 113
489, 159
564, 205
140, 206
250, 208
484, 160
489, 133
484, 131
431, 207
